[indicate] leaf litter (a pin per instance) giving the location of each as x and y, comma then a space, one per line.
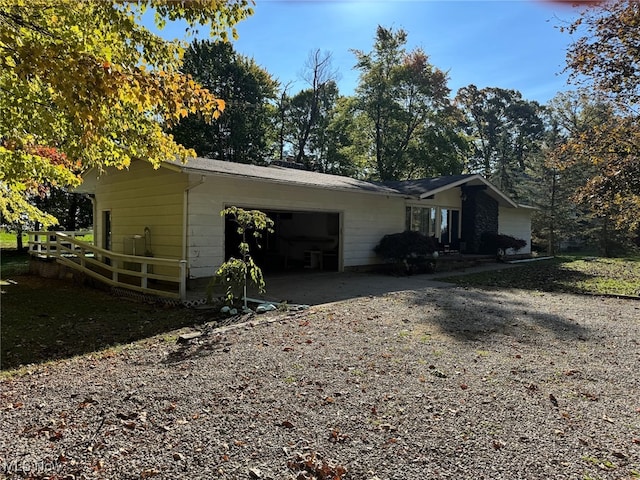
353, 390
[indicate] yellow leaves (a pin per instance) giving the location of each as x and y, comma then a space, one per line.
88, 75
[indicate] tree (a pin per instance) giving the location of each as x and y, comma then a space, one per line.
87, 79
308, 119
405, 105
239, 134
504, 130
236, 272
606, 59
321, 77
551, 181
606, 55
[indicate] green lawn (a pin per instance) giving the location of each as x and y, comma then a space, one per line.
9, 240
575, 274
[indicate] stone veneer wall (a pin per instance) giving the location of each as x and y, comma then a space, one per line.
479, 215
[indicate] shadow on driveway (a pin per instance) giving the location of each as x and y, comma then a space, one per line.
475, 314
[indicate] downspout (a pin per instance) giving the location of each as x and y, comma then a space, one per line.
185, 219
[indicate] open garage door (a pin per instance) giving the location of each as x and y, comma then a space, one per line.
301, 240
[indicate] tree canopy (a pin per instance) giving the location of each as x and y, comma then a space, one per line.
606, 59
404, 101
87, 80
240, 133
504, 131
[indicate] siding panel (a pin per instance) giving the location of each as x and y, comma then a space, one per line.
366, 218
517, 223
142, 197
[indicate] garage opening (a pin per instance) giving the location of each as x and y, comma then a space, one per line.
300, 241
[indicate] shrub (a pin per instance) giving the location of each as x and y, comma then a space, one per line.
499, 243
413, 250
398, 247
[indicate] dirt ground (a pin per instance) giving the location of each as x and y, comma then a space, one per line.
426, 382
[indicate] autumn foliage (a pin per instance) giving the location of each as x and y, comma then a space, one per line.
87, 80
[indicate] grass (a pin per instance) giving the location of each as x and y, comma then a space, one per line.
49, 319
573, 274
9, 240
13, 262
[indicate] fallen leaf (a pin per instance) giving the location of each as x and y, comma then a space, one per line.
170, 408
149, 472
127, 416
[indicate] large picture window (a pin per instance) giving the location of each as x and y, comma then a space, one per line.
443, 223
421, 219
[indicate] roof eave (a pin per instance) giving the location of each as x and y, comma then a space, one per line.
466, 180
188, 170
451, 185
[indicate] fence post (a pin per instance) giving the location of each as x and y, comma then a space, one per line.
183, 280
143, 278
114, 266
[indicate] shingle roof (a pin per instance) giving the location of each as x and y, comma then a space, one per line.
279, 174
424, 185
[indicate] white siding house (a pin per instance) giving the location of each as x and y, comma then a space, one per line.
322, 221
517, 223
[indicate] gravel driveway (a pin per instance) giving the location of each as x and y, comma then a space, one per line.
431, 383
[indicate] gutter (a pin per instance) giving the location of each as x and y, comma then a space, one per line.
185, 219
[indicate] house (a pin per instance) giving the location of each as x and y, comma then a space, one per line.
322, 221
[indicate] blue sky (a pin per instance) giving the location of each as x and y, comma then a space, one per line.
509, 44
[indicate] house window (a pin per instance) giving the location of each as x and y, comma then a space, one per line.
445, 233
450, 227
443, 223
421, 219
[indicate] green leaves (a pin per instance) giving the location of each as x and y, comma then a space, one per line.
87, 79
240, 133
234, 273
401, 97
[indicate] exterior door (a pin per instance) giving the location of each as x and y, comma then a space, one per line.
106, 230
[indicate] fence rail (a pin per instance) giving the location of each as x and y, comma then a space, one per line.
156, 276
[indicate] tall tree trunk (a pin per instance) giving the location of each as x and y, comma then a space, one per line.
19, 243
552, 219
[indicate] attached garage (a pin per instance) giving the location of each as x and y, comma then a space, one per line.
300, 240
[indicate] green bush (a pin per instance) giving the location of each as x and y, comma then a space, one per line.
398, 247
498, 243
412, 250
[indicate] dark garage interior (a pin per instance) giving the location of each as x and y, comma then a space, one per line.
301, 240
